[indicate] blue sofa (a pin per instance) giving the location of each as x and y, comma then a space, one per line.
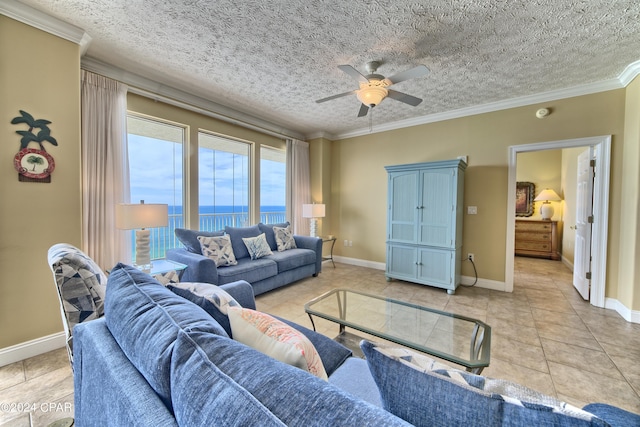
160, 359
264, 274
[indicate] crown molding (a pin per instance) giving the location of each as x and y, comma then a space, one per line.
321, 134
629, 73
170, 95
42, 21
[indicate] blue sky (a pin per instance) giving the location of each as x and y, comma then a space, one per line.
155, 169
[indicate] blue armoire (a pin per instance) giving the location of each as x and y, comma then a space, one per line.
424, 223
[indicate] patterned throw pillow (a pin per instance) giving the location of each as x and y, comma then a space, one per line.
275, 339
219, 249
257, 246
284, 238
212, 293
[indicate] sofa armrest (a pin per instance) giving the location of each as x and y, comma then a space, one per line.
242, 292
313, 243
199, 267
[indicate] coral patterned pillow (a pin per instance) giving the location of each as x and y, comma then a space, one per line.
219, 249
276, 339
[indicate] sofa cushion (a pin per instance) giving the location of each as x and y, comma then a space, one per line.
257, 246
211, 298
293, 258
237, 234
276, 339
284, 238
294, 396
251, 270
267, 229
189, 238
202, 395
410, 382
144, 317
219, 249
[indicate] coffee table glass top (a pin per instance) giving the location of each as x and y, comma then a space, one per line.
458, 339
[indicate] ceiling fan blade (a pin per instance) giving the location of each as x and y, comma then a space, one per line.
414, 72
340, 95
353, 73
403, 97
363, 110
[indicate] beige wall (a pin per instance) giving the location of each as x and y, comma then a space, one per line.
359, 184
629, 255
544, 169
39, 73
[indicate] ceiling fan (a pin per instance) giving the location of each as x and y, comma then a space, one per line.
374, 87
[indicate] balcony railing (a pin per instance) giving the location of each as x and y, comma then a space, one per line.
164, 238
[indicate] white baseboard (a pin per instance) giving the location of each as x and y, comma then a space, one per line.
627, 314
465, 280
568, 263
484, 283
361, 262
28, 349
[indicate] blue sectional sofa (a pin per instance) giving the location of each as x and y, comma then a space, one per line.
157, 358
264, 274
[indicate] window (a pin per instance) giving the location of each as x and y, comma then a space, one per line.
273, 178
223, 182
155, 174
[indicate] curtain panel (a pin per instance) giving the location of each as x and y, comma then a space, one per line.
298, 184
105, 170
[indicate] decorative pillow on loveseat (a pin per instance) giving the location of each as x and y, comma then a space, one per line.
424, 392
237, 234
276, 339
189, 238
284, 238
257, 246
267, 229
219, 249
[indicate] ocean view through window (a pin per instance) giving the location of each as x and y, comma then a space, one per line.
156, 164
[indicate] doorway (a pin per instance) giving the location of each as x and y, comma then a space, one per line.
602, 149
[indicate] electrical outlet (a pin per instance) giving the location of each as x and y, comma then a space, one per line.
471, 257
350, 242
346, 243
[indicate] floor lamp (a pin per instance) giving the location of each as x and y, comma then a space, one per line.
313, 211
139, 217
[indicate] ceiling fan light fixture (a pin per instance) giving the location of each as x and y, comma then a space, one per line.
371, 95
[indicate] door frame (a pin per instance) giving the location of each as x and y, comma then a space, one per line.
599, 236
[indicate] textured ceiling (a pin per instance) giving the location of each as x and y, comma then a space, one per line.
273, 59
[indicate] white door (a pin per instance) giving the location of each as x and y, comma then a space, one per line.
584, 210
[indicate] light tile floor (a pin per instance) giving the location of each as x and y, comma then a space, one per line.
544, 336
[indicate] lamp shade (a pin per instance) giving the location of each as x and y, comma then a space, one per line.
548, 195
316, 210
134, 216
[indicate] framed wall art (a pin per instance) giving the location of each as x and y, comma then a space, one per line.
525, 192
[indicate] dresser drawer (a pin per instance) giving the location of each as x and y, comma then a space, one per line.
530, 235
533, 246
533, 226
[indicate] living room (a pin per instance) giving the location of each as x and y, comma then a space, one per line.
347, 174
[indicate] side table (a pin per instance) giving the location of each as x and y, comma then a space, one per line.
166, 271
331, 239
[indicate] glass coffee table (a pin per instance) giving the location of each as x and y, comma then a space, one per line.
457, 339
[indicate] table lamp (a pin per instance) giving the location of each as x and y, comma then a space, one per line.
547, 195
139, 217
313, 211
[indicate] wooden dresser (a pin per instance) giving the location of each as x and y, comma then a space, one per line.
537, 239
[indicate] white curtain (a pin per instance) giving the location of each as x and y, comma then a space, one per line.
298, 184
105, 169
